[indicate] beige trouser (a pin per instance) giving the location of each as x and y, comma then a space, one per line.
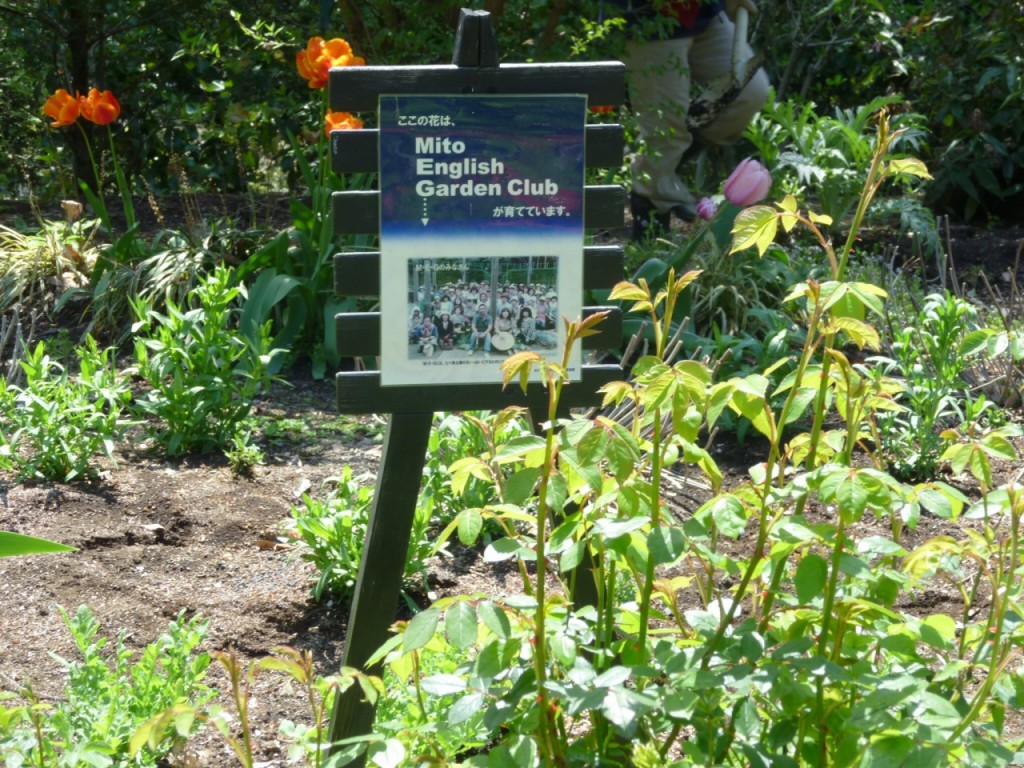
660, 75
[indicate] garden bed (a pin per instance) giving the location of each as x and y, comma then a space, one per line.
158, 538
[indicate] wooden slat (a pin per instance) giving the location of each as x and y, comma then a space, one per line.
361, 392
358, 213
358, 333
356, 151
356, 89
358, 274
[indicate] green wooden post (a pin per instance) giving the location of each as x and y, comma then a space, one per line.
382, 567
475, 69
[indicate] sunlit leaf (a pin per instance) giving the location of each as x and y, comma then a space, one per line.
494, 619
420, 629
754, 226
810, 577
460, 625
443, 684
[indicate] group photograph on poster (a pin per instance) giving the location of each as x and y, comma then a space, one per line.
461, 307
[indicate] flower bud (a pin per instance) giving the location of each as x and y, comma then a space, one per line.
707, 208
749, 183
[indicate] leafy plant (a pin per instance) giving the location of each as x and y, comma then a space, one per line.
55, 426
243, 456
929, 357
203, 372
332, 531
307, 740
30, 260
788, 650
107, 699
824, 157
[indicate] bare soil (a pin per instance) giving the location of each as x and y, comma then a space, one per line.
158, 537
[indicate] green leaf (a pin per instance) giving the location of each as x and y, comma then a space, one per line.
756, 225
420, 630
572, 556
666, 544
494, 619
460, 625
557, 492
465, 708
443, 684
748, 399
502, 549
564, 648
471, 522
519, 485
909, 166
810, 577
728, 513
938, 630
12, 544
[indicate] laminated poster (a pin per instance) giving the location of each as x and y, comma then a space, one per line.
481, 233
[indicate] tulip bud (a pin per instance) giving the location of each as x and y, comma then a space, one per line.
707, 208
748, 184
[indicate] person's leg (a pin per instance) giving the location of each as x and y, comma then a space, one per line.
711, 58
660, 96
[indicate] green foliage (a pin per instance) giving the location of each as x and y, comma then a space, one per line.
307, 741
107, 697
55, 426
30, 260
333, 531
14, 544
790, 650
820, 157
956, 64
243, 456
202, 371
929, 357
294, 273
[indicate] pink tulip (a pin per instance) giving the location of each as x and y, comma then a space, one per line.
748, 184
707, 208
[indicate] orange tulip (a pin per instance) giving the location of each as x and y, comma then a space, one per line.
99, 107
341, 121
62, 107
320, 55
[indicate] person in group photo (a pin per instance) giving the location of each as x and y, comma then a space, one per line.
445, 331
527, 327
415, 324
503, 337
428, 337
480, 330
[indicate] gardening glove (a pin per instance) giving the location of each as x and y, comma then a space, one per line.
731, 6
